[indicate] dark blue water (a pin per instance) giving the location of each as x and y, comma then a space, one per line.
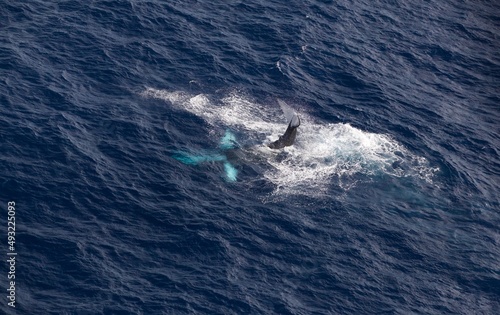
388, 202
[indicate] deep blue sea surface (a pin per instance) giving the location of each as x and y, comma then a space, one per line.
388, 203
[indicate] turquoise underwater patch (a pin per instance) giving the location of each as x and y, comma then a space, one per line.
227, 142
192, 159
231, 172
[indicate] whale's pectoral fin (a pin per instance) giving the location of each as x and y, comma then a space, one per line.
286, 109
288, 138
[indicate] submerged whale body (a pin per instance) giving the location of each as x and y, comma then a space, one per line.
230, 150
288, 138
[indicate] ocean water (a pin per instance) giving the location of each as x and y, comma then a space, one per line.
388, 203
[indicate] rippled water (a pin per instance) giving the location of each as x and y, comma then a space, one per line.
387, 203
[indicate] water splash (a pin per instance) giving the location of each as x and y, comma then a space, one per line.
322, 154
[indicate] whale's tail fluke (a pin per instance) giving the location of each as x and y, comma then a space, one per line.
227, 142
288, 138
194, 159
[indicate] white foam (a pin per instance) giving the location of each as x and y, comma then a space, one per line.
322, 154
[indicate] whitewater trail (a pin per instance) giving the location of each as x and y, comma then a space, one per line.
323, 152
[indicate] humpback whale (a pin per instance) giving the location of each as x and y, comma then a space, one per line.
230, 150
288, 138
